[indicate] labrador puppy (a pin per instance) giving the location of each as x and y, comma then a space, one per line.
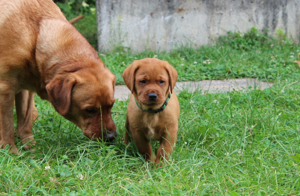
153, 108
41, 52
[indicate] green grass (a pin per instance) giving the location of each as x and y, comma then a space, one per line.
218, 62
228, 58
236, 143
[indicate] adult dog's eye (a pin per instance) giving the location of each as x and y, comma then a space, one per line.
91, 110
143, 81
161, 82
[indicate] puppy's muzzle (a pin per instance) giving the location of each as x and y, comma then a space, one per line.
152, 96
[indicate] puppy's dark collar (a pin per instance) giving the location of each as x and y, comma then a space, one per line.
158, 109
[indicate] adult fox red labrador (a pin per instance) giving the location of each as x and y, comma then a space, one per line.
42, 52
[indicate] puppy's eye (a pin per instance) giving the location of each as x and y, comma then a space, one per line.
143, 81
161, 82
91, 110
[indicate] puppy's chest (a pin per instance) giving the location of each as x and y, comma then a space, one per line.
152, 128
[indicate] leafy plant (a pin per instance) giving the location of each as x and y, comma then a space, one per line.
281, 36
250, 40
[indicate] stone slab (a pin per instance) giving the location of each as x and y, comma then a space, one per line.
206, 86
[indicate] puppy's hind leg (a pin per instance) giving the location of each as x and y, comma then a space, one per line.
26, 114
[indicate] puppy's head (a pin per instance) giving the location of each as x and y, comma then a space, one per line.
150, 81
85, 96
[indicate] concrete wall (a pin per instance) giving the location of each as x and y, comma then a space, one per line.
160, 25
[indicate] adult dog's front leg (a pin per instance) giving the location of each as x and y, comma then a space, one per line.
7, 135
26, 114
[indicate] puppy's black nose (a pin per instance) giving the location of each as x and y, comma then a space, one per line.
152, 96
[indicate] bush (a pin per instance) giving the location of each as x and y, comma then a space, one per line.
250, 40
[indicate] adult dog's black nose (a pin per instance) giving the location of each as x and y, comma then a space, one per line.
110, 136
152, 96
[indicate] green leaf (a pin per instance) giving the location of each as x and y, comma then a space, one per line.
296, 158
233, 193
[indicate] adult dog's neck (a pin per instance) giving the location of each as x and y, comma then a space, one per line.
59, 47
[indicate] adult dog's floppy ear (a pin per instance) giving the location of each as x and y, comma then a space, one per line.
129, 75
172, 75
59, 92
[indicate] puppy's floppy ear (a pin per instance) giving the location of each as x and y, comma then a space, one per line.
129, 75
172, 75
59, 91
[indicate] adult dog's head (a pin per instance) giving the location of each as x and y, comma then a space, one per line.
85, 95
150, 81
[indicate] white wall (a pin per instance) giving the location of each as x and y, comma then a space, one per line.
160, 25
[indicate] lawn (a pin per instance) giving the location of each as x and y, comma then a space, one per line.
235, 143
270, 60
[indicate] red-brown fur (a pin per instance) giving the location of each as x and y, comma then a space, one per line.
144, 126
40, 51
